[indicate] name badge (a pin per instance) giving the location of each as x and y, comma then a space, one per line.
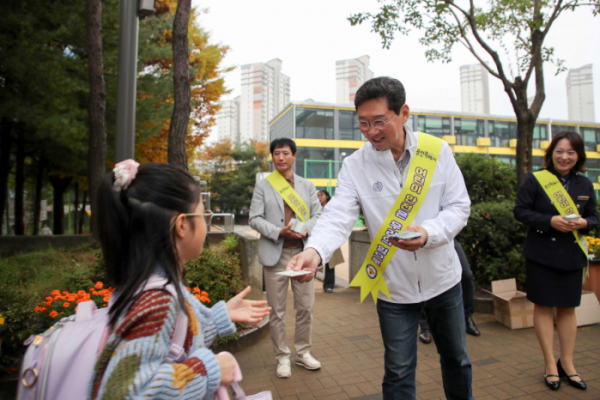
583, 197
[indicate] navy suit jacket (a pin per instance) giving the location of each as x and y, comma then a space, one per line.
545, 244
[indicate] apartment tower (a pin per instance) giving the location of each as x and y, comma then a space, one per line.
474, 88
265, 92
350, 75
580, 94
228, 120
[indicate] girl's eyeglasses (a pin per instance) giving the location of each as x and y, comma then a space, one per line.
208, 216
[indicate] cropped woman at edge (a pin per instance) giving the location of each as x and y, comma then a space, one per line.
554, 260
337, 258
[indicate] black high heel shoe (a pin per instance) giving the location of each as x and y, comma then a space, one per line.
576, 384
554, 385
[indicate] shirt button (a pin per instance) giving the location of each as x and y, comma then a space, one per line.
281, 220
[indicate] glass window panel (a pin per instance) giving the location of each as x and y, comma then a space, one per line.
468, 130
318, 162
316, 123
348, 128
501, 132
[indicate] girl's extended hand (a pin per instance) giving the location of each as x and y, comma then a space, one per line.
241, 310
227, 367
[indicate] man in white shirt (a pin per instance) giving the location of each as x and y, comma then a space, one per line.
425, 271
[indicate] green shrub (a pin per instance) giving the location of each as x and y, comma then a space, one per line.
29, 278
487, 178
230, 243
493, 241
216, 272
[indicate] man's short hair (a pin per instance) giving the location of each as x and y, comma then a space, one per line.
383, 86
283, 142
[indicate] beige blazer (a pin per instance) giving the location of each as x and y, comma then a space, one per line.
267, 216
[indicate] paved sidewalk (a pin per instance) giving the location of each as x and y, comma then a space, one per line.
346, 339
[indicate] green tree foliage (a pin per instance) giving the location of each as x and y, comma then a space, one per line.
498, 32
233, 173
487, 178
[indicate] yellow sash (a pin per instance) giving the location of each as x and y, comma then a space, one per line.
401, 215
289, 195
564, 204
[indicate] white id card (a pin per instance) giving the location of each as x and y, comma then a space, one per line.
292, 274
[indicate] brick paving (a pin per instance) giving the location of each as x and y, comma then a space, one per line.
346, 339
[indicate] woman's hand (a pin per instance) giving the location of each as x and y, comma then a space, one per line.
227, 367
558, 222
580, 223
241, 310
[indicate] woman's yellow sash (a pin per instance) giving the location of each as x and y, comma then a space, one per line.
289, 195
403, 212
565, 206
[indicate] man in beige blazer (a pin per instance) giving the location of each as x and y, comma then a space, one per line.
270, 216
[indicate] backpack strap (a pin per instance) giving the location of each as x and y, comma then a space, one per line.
176, 352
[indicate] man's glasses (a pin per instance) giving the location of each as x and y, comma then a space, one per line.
379, 124
208, 216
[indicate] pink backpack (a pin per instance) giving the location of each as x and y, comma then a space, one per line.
59, 363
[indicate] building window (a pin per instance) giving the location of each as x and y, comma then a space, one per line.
468, 130
539, 134
436, 126
501, 132
557, 128
318, 165
348, 128
314, 123
591, 137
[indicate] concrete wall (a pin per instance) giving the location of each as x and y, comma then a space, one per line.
248, 247
10, 245
359, 245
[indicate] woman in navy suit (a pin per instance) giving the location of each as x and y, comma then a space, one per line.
554, 260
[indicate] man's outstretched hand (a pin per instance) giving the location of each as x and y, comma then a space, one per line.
308, 260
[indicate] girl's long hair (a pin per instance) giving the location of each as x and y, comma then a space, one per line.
134, 229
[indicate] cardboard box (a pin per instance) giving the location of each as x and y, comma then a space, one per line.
589, 311
511, 306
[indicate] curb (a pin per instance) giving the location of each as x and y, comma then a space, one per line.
248, 338
483, 305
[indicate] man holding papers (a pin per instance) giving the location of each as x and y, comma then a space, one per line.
403, 181
277, 201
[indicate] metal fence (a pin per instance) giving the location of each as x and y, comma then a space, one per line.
222, 223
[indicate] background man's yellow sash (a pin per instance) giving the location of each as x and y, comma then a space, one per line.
565, 206
403, 212
289, 195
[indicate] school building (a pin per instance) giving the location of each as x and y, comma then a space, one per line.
326, 133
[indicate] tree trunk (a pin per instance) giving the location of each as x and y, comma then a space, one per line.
75, 204
59, 185
97, 147
37, 204
20, 186
181, 79
5, 145
82, 217
525, 125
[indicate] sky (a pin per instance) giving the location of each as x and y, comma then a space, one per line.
309, 36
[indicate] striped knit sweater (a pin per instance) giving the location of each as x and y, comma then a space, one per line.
132, 366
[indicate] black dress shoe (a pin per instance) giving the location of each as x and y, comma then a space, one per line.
425, 336
471, 327
554, 385
576, 384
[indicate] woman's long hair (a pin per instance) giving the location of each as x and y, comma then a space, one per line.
134, 228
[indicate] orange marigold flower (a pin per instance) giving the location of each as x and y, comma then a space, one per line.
49, 299
71, 298
55, 293
35, 310
48, 303
205, 294
196, 290
65, 293
198, 297
81, 292
53, 314
103, 305
66, 305
43, 309
105, 299
188, 289
203, 299
99, 285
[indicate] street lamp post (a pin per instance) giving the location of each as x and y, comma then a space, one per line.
130, 12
